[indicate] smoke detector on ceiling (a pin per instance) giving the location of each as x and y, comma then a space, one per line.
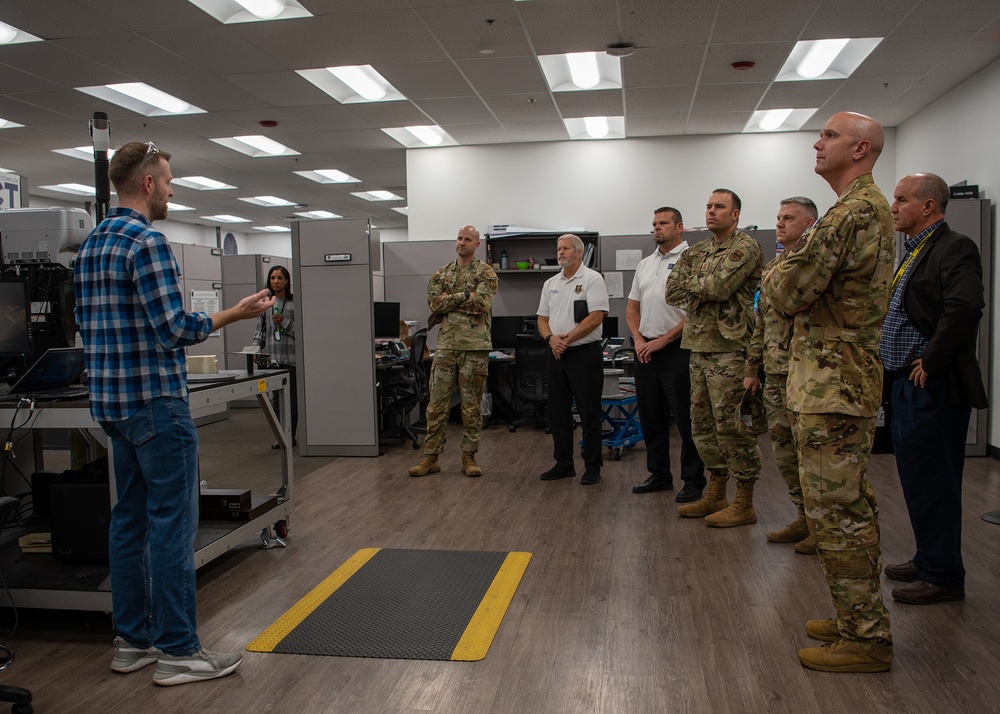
621, 49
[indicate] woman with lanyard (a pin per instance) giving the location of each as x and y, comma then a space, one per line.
276, 335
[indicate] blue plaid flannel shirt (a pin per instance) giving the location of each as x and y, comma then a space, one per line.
130, 311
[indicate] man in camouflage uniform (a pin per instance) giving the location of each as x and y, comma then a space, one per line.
769, 347
460, 296
714, 283
836, 284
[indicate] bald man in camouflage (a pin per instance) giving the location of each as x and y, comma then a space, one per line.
837, 285
460, 296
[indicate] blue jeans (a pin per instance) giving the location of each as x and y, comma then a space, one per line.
153, 526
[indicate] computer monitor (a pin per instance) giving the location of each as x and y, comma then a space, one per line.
386, 320
610, 327
15, 317
505, 329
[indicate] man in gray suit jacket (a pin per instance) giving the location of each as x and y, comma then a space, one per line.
929, 352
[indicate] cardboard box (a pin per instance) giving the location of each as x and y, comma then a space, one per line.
218, 499
259, 506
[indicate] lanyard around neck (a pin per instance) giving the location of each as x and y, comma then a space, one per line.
909, 259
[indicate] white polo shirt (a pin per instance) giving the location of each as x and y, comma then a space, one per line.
559, 294
649, 288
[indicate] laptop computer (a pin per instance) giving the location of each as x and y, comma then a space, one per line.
56, 375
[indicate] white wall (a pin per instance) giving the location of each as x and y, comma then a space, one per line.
956, 137
612, 186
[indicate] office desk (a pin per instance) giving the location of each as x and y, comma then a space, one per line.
39, 580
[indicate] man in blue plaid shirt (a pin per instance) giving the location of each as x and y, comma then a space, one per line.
134, 327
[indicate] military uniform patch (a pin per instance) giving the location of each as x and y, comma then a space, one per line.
736, 255
579, 289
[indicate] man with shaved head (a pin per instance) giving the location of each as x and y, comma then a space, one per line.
460, 296
929, 353
837, 284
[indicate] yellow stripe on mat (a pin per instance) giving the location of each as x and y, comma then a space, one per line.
269, 638
478, 636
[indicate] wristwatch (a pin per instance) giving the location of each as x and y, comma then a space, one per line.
547, 338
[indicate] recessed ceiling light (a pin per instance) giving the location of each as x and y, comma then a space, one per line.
318, 214
142, 99
377, 196
778, 120
595, 127
268, 201
417, 137
85, 153
232, 12
581, 71
77, 189
7, 123
10, 35
226, 218
201, 183
273, 229
352, 84
256, 146
328, 176
178, 207
826, 59
405, 210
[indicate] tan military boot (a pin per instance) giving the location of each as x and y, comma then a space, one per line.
823, 630
714, 499
469, 465
792, 533
806, 546
740, 513
428, 465
847, 656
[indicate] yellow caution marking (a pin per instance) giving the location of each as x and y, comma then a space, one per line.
478, 636
261, 385
269, 639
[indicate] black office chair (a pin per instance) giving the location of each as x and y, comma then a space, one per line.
531, 383
407, 390
21, 698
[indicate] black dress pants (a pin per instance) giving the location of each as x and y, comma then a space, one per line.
663, 389
577, 374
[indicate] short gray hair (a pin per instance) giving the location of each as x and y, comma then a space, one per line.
806, 203
574, 239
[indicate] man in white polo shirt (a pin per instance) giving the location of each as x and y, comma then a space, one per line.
570, 312
662, 379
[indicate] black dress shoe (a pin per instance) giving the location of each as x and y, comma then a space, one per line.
654, 483
921, 592
590, 477
904, 572
688, 494
558, 471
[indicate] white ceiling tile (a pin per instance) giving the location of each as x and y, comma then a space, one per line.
728, 97
768, 56
649, 101
655, 125
717, 122
469, 134
947, 17
537, 131
854, 18
663, 66
604, 103
909, 55
647, 23
523, 107
799, 95
580, 26
426, 80
464, 30
873, 91
459, 110
504, 75
739, 21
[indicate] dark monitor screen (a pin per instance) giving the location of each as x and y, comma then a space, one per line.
610, 327
15, 317
386, 320
504, 331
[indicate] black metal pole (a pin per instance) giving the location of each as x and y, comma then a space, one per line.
100, 132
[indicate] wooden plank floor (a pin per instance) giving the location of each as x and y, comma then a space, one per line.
624, 607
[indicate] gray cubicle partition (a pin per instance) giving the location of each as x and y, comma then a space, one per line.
332, 278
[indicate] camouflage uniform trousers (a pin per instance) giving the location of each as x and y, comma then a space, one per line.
716, 391
843, 514
467, 370
782, 439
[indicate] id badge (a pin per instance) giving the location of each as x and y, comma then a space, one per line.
277, 336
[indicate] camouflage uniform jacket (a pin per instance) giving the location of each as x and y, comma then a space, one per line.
714, 283
466, 323
837, 283
772, 335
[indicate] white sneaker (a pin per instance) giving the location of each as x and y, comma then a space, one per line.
129, 658
171, 670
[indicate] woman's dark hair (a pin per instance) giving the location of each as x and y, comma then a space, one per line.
288, 280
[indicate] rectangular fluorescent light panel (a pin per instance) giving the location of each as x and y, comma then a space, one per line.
327, 176
178, 207
419, 137
377, 196
10, 35
826, 59
273, 229
142, 99
226, 218
85, 153
201, 183
595, 127
8, 124
318, 214
771, 120
581, 71
268, 201
77, 189
256, 146
353, 84
231, 12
